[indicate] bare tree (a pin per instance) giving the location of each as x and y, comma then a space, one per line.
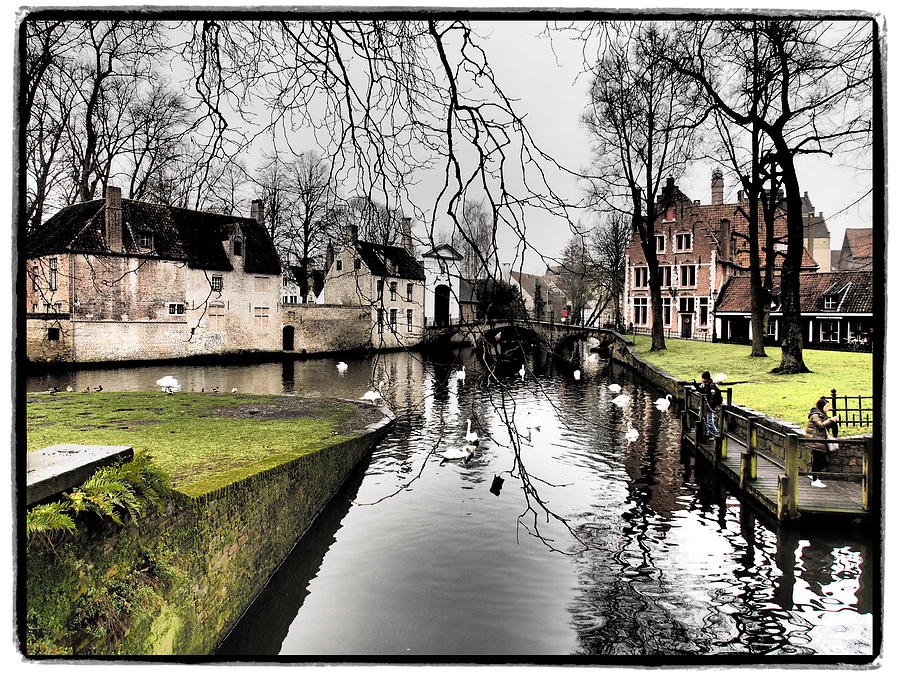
574, 277
473, 237
809, 88
607, 251
643, 116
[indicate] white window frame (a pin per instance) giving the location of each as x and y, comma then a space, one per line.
393, 288
682, 283
660, 238
641, 273
409, 320
837, 330
831, 302
393, 320
261, 316
145, 241
687, 305
667, 311
216, 320
677, 248
54, 270
666, 273
640, 310
702, 311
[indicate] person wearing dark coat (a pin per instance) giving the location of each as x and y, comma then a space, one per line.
817, 427
710, 390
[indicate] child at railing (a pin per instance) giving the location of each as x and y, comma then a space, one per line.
817, 427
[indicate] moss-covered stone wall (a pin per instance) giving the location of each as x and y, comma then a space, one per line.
176, 581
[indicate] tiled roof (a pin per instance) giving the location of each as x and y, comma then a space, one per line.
389, 261
815, 226
859, 241
443, 251
178, 234
851, 290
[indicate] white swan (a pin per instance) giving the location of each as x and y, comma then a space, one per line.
663, 403
631, 434
461, 374
621, 400
373, 394
615, 388
719, 377
522, 372
342, 367
168, 384
531, 422
456, 453
471, 436
577, 374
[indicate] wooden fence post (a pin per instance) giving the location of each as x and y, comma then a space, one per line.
791, 468
867, 474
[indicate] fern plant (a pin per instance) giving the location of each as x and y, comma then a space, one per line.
111, 492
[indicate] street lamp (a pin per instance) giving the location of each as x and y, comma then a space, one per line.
673, 293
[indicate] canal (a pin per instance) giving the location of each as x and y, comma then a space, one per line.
592, 545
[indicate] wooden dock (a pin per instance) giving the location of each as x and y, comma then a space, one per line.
764, 465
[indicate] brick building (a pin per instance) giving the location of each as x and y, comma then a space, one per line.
116, 279
386, 279
699, 247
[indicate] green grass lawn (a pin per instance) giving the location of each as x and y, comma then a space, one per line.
200, 450
787, 397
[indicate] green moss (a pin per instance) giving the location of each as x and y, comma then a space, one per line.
199, 449
787, 397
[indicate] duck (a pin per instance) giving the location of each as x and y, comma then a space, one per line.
215, 390
234, 390
453, 454
621, 400
69, 387
719, 377
168, 384
471, 436
522, 372
342, 367
461, 374
631, 434
52, 390
615, 388
373, 394
577, 374
99, 387
86, 390
663, 403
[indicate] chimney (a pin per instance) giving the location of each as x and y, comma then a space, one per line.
718, 187
351, 234
256, 210
507, 272
725, 238
329, 257
113, 212
406, 234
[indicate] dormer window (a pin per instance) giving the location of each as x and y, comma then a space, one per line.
145, 241
831, 302
237, 247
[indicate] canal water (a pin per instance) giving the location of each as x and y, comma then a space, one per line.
559, 536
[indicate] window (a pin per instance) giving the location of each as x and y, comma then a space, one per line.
216, 316
53, 334
379, 289
829, 331
640, 311
770, 328
145, 240
34, 279
409, 320
393, 320
357, 263
339, 265
687, 275
53, 272
238, 247
660, 243
260, 318
34, 308
409, 288
176, 308
686, 305
666, 271
667, 311
704, 311
831, 302
857, 332
393, 290
381, 321
261, 283
683, 242
216, 283
641, 276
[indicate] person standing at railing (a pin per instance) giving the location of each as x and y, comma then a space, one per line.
817, 427
713, 395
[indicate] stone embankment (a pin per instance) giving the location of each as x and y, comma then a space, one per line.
176, 581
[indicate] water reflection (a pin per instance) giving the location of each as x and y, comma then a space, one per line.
429, 560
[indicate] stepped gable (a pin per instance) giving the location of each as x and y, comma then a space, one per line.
389, 261
178, 234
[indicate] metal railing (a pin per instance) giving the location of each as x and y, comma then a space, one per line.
856, 415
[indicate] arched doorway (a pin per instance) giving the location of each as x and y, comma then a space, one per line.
287, 338
442, 305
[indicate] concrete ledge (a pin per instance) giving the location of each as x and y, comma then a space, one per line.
60, 467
